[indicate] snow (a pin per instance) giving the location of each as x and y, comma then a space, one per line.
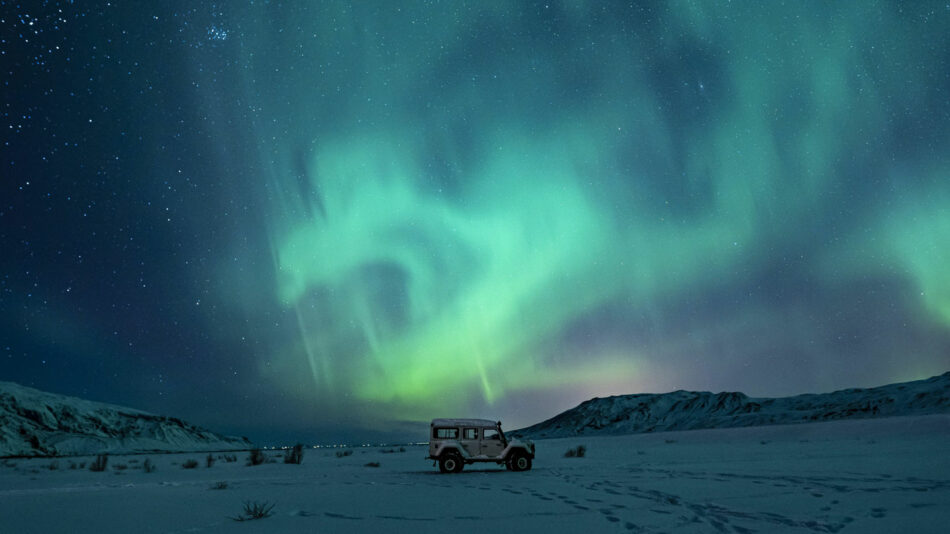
464, 422
690, 410
37, 423
867, 475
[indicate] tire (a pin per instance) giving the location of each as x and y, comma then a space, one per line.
451, 462
519, 461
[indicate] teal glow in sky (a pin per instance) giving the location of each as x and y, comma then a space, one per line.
499, 209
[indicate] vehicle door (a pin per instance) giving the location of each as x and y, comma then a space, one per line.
492, 445
469, 441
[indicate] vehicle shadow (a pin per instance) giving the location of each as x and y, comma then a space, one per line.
468, 471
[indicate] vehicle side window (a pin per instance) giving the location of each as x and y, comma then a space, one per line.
470, 433
446, 433
490, 433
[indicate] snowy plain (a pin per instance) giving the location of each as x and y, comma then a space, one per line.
873, 475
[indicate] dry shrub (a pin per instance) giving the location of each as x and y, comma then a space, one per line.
295, 455
256, 457
99, 464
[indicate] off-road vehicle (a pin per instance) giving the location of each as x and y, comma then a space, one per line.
456, 442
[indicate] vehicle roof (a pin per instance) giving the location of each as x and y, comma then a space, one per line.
464, 422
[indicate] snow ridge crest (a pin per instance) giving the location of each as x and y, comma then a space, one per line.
37, 423
691, 410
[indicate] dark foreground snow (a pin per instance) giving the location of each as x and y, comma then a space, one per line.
875, 475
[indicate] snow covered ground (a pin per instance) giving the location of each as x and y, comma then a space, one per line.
874, 475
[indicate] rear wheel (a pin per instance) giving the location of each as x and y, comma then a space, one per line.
519, 461
450, 463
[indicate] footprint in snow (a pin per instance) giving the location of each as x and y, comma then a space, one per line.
340, 516
402, 518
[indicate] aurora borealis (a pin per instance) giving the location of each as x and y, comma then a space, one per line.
313, 218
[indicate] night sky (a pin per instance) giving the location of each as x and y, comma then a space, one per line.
323, 221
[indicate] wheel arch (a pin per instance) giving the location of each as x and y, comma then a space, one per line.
511, 451
450, 447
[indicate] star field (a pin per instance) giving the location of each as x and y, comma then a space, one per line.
300, 220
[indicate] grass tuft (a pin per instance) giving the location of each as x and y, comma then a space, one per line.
576, 452
255, 510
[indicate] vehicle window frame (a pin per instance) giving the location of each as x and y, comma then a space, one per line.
435, 432
465, 433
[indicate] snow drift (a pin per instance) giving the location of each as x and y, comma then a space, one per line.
690, 410
36, 423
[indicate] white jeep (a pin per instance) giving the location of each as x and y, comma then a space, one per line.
456, 442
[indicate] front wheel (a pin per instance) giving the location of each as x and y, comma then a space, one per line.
519, 461
451, 463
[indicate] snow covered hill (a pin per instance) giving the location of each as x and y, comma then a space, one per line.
689, 410
36, 423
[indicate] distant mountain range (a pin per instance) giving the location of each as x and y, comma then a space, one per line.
36, 423
689, 410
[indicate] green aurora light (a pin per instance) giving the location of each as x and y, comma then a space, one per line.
466, 196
